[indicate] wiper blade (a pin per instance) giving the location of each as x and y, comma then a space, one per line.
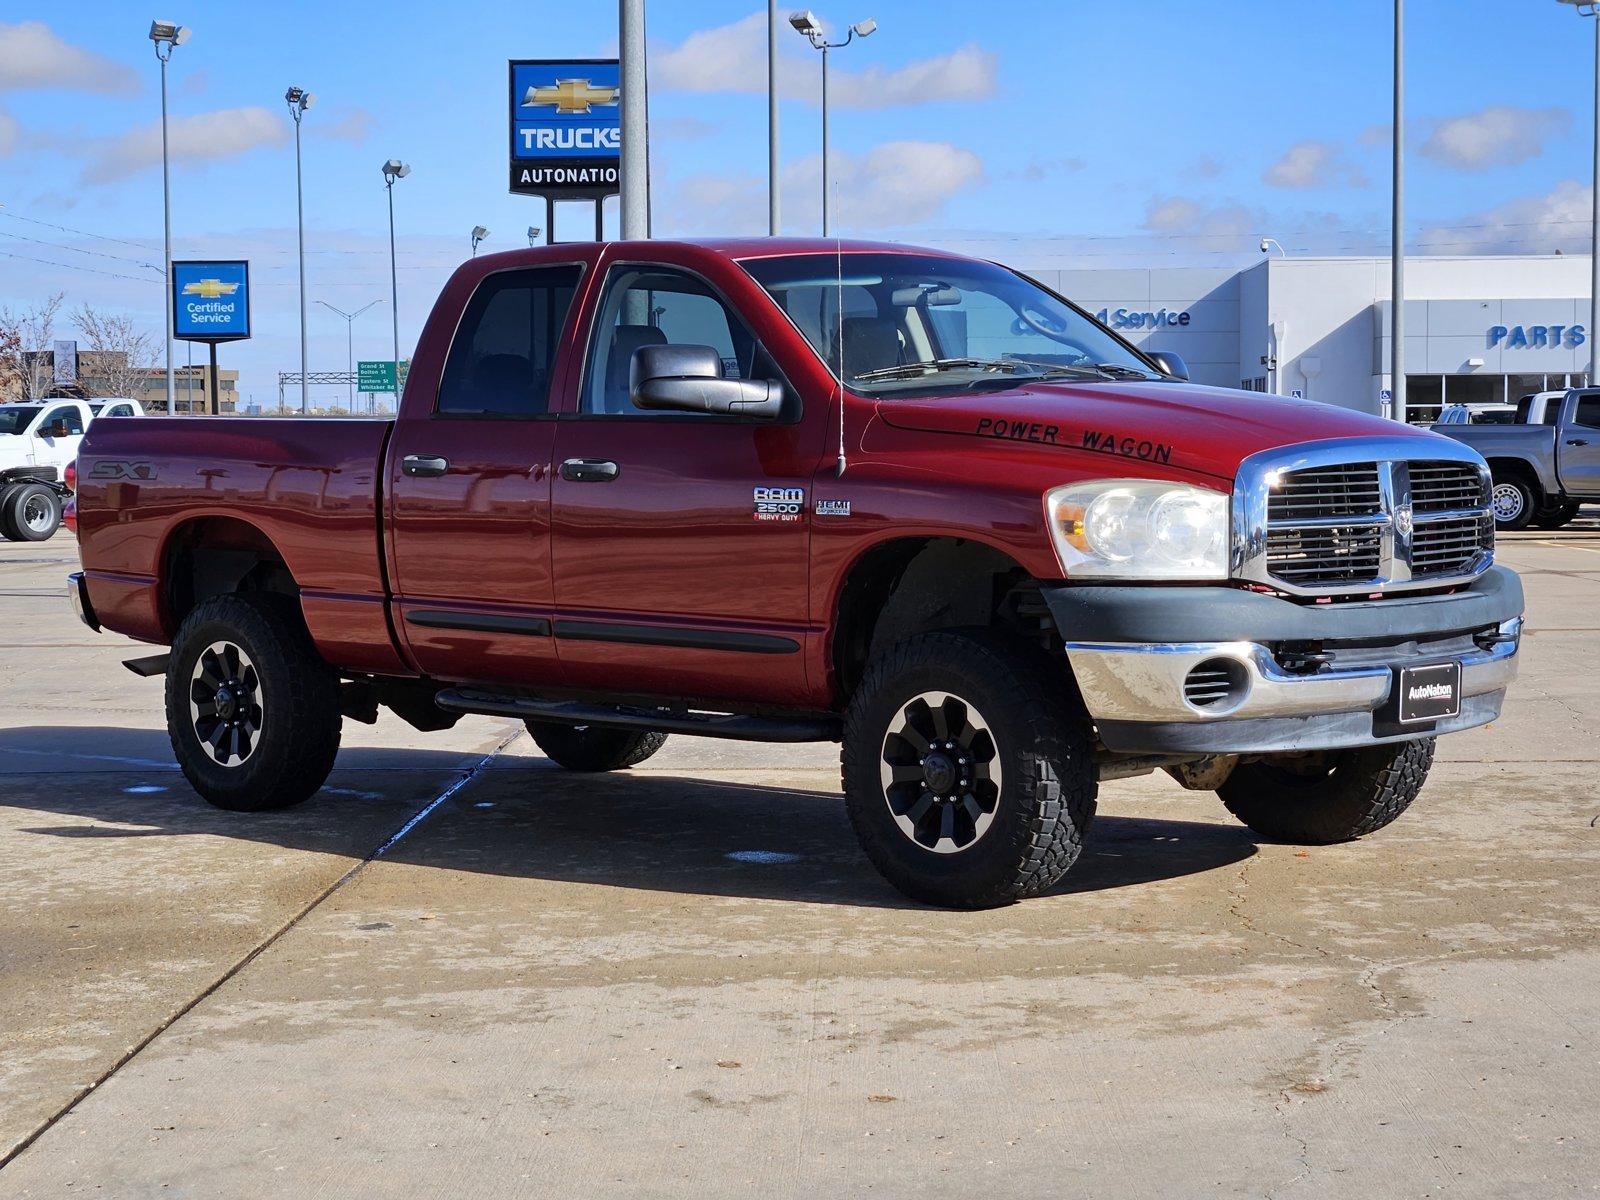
911, 370
1118, 371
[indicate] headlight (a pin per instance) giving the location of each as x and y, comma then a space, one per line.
1139, 529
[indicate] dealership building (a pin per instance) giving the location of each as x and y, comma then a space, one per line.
1478, 329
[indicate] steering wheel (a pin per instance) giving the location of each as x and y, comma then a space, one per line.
1040, 322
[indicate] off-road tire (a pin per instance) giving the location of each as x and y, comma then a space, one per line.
594, 747
1530, 504
1040, 736
17, 500
1346, 794
1558, 517
298, 698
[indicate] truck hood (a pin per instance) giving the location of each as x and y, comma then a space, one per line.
1206, 430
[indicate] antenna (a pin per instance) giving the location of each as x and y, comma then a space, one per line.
838, 316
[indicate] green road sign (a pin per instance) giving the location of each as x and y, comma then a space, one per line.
375, 376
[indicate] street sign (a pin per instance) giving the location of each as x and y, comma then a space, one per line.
566, 127
378, 376
211, 301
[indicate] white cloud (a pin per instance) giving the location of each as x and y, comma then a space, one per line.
198, 139
1314, 164
1206, 167
1042, 169
349, 125
733, 58
32, 56
1183, 215
893, 185
1557, 220
8, 134
1501, 135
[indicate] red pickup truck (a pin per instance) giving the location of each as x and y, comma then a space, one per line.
804, 490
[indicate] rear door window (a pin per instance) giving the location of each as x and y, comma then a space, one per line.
505, 352
1588, 412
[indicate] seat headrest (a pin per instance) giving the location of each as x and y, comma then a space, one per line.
867, 343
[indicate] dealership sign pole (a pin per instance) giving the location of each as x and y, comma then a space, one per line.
1397, 290
211, 304
566, 132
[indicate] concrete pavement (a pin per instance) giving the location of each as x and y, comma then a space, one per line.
685, 978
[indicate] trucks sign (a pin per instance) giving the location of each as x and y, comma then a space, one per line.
211, 301
566, 127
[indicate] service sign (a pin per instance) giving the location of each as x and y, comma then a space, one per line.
566, 127
211, 301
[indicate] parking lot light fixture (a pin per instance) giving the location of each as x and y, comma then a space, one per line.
392, 170
167, 36
478, 234
299, 100
807, 25
533, 235
1589, 8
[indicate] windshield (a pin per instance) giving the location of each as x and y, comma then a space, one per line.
891, 324
15, 418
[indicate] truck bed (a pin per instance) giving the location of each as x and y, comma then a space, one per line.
313, 486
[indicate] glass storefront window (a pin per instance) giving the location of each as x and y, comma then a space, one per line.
1424, 398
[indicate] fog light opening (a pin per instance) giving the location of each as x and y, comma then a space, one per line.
1216, 684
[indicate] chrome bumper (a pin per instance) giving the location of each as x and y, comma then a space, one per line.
1136, 694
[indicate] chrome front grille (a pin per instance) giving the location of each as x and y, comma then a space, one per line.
1361, 515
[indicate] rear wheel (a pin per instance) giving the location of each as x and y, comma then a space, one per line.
1328, 796
33, 513
967, 769
595, 747
1557, 517
1512, 503
252, 710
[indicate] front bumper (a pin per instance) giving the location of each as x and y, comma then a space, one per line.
1275, 675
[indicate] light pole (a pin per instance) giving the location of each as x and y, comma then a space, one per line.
772, 118
634, 222
478, 234
808, 25
392, 170
1397, 231
349, 345
167, 37
1588, 8
299, 100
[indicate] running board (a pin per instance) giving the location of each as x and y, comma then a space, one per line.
144, 668
717, 725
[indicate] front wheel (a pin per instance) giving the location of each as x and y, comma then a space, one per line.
252, 710
1328, 796
1512, 503
595, 747
967, 769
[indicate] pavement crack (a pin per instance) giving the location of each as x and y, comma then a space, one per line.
466, 776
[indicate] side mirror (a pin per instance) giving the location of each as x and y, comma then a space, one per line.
1169, 364
689, 379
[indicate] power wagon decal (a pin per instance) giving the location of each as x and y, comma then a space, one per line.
1100, 441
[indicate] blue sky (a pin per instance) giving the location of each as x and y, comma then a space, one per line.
1039, 133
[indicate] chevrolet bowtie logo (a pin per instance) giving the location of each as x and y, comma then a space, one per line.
210, 288
570, 96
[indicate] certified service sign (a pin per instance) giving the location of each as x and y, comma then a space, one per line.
211, 301
566, 126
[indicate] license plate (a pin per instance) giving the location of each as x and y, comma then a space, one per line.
1429, 693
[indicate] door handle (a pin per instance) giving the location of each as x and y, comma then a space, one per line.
588, 470
423, 466
1577, 441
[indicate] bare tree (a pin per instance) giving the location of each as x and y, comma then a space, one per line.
31, 331
119, 348
10, 362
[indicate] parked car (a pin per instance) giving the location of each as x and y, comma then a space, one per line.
1547, 465
796, 490
38, 441
1478, 414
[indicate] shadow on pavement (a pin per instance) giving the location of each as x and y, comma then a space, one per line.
630, 829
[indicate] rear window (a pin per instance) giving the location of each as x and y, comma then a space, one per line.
15, 418
504, 352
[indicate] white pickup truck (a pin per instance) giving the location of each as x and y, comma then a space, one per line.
38, 442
